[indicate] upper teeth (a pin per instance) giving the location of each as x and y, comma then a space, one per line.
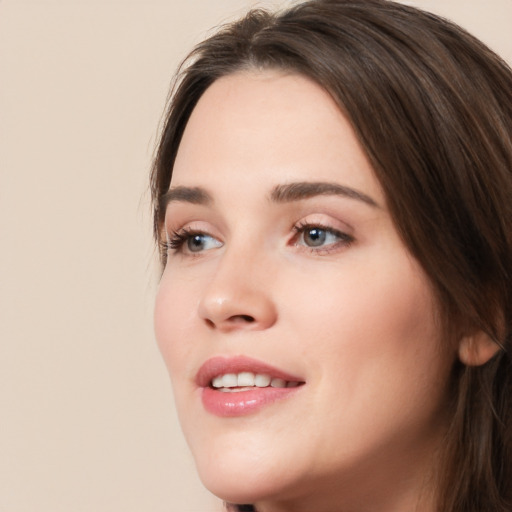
249, 379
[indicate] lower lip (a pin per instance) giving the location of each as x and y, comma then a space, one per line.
241, 403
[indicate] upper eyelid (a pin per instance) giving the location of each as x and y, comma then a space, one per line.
179, 215
301, 228
190, 223
326, 221
196, 224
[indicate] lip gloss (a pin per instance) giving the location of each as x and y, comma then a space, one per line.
239, 401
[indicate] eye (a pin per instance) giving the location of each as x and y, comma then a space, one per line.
316, 237
319, 237
188, 241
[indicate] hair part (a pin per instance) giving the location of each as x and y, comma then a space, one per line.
432, 108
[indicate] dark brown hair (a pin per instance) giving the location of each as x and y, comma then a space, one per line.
432, 108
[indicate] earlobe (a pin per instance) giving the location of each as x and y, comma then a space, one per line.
477, 349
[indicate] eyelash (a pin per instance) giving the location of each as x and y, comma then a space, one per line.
179, 238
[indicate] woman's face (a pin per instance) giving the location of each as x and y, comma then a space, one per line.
284, 266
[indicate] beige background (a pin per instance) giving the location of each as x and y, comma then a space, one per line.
86, 415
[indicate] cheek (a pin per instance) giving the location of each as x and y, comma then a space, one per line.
383, 312
373, 351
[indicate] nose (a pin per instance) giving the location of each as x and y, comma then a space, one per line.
238, 297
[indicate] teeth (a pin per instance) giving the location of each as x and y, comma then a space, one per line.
249, 379
262, 381
278, 383
229, 380
245, 379
217, 382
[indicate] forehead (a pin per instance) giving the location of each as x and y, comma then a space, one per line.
273, 126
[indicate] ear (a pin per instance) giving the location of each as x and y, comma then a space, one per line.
477, 349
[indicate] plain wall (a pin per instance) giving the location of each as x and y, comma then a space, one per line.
86, 411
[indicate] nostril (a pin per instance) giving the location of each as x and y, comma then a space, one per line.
242, 318
232, 320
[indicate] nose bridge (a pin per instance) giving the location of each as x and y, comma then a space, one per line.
239, 294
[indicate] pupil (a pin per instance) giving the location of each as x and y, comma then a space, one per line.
195, 243
315, 237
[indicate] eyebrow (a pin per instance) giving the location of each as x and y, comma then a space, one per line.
305, 190
280, 194
194, 195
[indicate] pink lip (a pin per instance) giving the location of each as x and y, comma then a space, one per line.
221, 365
240, 403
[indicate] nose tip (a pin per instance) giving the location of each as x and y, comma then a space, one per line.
227, 309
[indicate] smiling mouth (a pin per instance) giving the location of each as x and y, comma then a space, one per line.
246, 381
239, 385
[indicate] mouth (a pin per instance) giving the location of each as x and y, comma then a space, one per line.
244, 381
237, 386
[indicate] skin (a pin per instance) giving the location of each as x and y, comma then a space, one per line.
354, 317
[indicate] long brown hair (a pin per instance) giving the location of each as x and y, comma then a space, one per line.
432, 108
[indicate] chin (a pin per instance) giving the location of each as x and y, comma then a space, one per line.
236, 486
236, 477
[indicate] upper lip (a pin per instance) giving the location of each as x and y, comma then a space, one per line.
221, 365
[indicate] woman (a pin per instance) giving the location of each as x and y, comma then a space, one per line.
331, 194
